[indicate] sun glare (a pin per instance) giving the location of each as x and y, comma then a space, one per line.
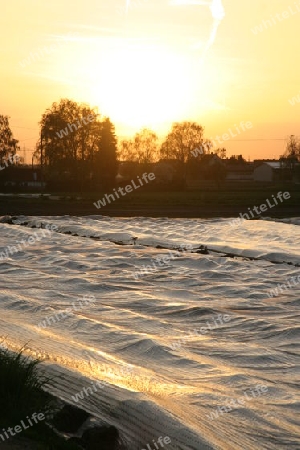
142, 87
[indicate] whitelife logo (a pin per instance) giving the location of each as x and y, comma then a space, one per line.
41, 53
11, 159
87, 391
295, 100
19, 428
218, 322
275, 292
64, 132
278, 17
162, 261
262, 208
129, 188
202, 149
161, 441
243, 126
11, 250
60, 315
259, 390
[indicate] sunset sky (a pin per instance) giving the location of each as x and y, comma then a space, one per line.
155, 63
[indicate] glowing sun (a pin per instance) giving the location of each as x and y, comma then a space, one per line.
142, 86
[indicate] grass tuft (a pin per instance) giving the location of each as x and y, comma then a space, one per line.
22, 394
21, 389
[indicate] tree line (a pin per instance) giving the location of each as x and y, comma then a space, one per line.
78, 148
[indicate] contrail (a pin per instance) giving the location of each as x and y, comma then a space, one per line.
217, 11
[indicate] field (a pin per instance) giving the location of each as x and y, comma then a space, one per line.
226, 202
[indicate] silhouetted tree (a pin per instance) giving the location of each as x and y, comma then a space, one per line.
237, 159
292, 153
290, 160
146, 146
182, 140
8, 145
71, 144
184, 143
143, 148
293, 148
221, 152
105, 165
126, 151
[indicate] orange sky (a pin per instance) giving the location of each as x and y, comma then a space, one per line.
158, 62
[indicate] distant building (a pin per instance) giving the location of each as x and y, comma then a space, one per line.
22, 177
239, 172
165, 171
268, 171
